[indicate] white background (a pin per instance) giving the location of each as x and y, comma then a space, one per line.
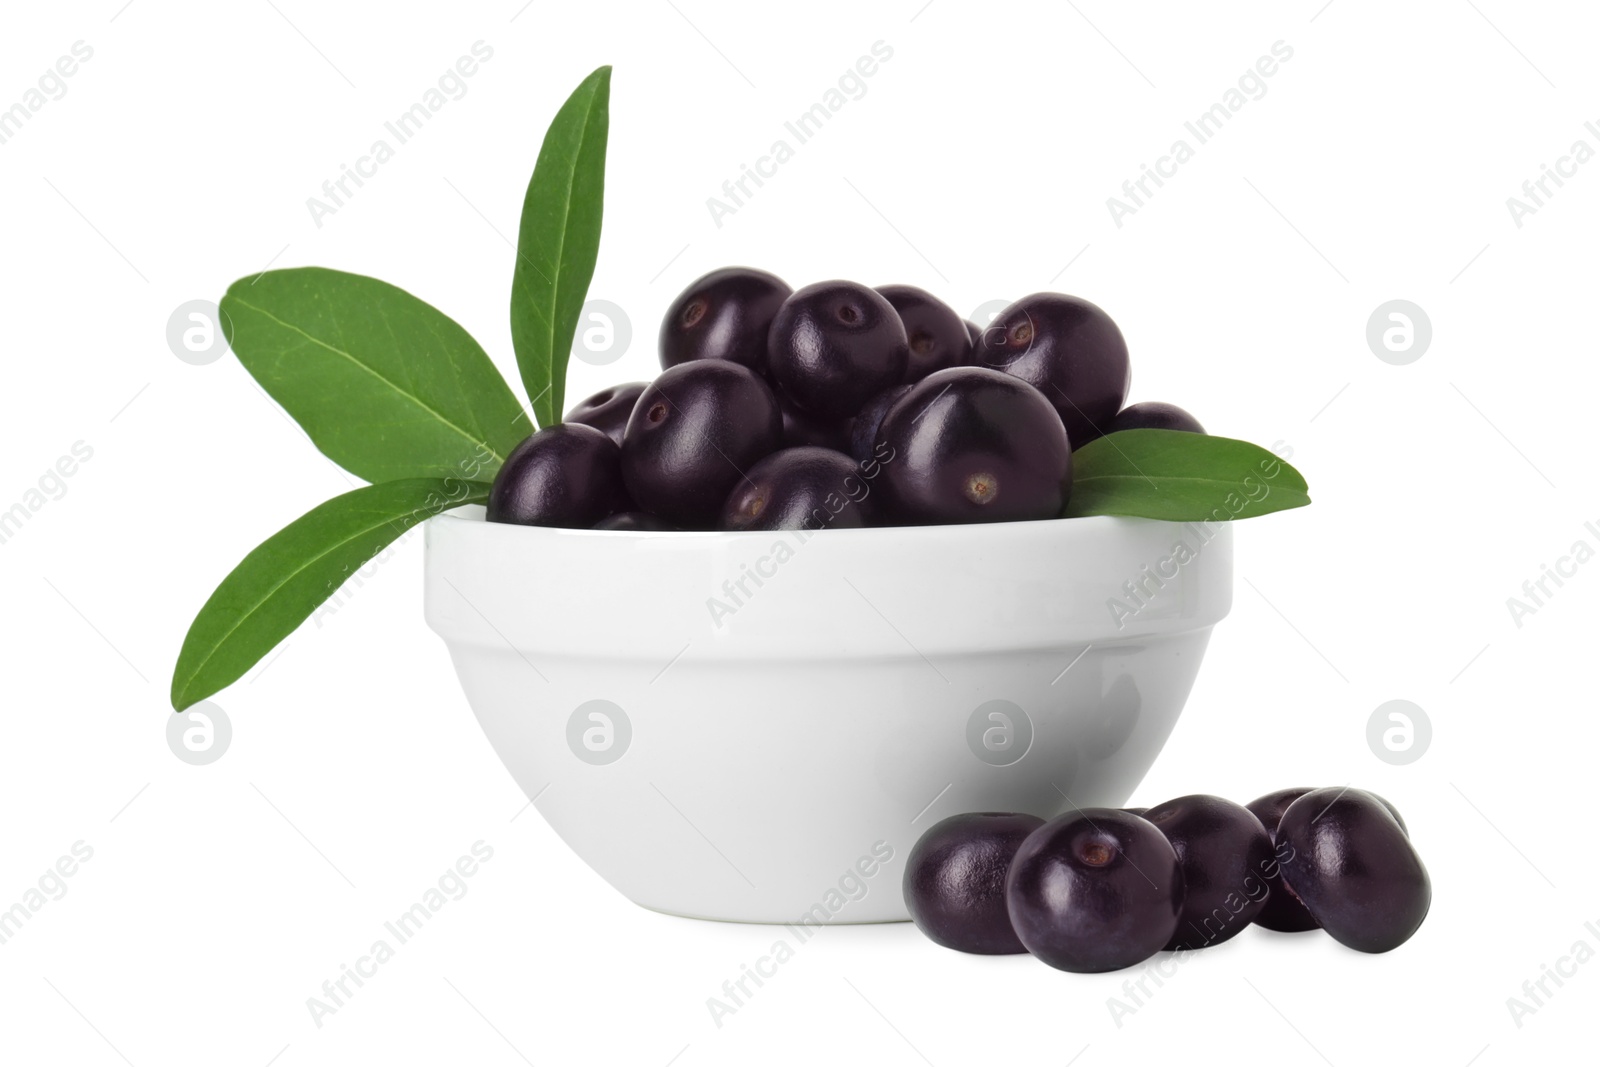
978, 163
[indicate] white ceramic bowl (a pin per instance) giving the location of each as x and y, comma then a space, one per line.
758, 726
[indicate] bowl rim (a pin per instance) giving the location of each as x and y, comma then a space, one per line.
1012, 584
1081, 525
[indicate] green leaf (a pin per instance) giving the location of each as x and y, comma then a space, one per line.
1183, 477
386, 385
286, 577
558, 243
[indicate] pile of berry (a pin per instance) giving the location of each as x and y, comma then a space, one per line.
835, 405
1103, 888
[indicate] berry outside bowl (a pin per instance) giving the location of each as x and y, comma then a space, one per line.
757, 727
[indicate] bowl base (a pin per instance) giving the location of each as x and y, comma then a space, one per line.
781, 923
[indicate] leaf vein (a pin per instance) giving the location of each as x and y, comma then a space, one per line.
418, 401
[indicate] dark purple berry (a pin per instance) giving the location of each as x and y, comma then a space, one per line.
632, 521
1283, 911
833, 346
805, 488
1392, 810
1154, 415
564, 475
1096, 889
1070, 351
801, 429
608, 410
936, 336
865, 427
693, 434
1135, 811
1226, 855
955, 881
1353, 866
724, 315
974, 445
975, 335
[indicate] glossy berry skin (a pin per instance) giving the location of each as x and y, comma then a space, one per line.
632, 521
974, 445
692, 435
865, 427
1392, 810
608, 410
565, 475
1070, 351
801, 429
975, 334
833, 346
1096, 889
806, 488
936, 337
724, 315
1226, 856
1154, 415
1354, 868
1136, 811
955, 881
1283, 911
